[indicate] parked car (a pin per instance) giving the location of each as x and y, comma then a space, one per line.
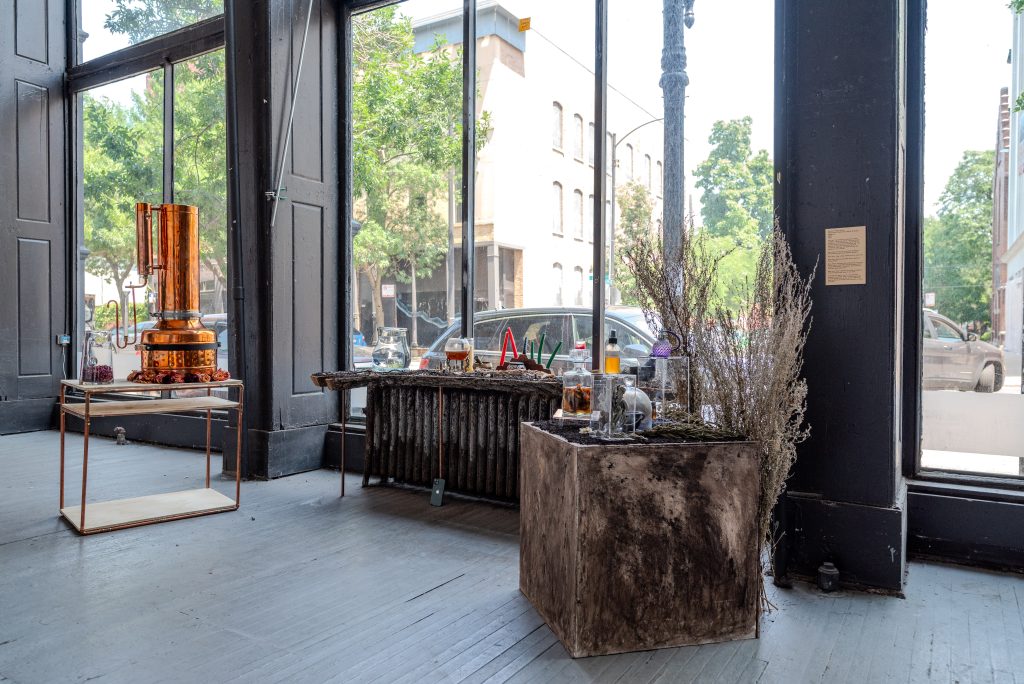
567, 325
955, 359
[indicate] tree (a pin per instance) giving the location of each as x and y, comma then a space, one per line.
737, 205
120, 168
636, 208
958, 242
407, 110
144, 19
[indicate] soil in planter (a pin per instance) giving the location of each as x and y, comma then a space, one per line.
569, 430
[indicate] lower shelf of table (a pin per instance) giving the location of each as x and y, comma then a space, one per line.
143, 510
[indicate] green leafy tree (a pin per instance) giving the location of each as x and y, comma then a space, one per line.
737, 205
406, 135
120, 168
144, 19
958, 242
636, 207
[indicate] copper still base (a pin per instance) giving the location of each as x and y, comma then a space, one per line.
179, 345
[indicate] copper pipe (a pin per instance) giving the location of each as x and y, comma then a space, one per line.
144, 239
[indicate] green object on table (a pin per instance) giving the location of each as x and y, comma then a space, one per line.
540, 347
553, 354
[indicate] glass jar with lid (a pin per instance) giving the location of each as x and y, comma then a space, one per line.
577, 386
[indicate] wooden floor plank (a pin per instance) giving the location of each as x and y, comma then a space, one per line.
300, 585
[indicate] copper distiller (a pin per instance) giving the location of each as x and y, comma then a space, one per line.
179, 341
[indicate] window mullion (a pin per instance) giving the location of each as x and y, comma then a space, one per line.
168, 182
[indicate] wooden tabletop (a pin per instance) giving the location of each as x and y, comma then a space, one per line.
125, 386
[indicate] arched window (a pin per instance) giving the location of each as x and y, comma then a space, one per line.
629, 162
577, 274
608, 143
556, 208
588, 223
577, 137
647, 171
556, 282
661, 179
590, 144
556, 122
577, 213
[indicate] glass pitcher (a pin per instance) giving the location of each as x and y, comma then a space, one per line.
392, 350
97, 367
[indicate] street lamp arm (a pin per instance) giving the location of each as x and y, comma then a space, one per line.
646, 123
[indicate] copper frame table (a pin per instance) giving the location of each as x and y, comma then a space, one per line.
146, 510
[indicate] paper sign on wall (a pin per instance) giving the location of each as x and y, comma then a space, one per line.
846, 256
387, 290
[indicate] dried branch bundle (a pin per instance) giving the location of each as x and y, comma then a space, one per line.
745, 364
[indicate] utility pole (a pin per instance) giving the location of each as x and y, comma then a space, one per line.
673, 84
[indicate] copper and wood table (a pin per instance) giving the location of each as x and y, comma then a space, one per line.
462, 427
145, 510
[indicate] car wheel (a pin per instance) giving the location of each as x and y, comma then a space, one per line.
987, 381
1000, 376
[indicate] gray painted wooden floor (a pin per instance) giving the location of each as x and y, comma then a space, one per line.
299, 586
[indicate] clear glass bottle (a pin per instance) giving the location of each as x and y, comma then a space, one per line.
612, 354
577, 386
391, 351
97, 367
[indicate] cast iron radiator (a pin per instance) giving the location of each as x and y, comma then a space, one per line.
475, 444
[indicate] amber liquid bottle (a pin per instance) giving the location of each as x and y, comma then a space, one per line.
612, 362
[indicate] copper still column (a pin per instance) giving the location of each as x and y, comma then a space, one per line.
179, 341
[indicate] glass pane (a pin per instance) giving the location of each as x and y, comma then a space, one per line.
200, 178
972, 234
407, 113
122, 163
115, 24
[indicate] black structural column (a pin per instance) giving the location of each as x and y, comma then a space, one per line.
286, 284
840, 82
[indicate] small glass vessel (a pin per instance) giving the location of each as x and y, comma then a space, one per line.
97, 366
391, 351
577, 385
458, 354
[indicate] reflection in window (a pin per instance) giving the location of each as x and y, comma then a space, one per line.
647, 171
115, 24
578, 277
588, 226
556, 208
629, 162
661, 179
556, 123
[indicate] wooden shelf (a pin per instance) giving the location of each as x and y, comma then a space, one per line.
125, 386
99, 409
111, 515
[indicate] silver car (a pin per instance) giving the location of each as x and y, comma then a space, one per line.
567, 325
953, 359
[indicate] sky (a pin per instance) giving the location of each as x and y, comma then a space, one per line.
731, 65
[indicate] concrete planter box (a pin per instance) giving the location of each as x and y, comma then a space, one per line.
636, 547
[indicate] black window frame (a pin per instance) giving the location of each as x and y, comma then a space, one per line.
161, 52
988, 487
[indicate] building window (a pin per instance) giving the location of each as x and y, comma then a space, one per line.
590, 144
629, 162
577, 212
577, 138
556, 208
556, 123
647, 171
589, 222
556, 282
577, 274
609, 144
661, 179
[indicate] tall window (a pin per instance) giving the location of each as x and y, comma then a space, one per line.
577, 137
577, 213
629, 162
588, 223
608, 143
590, 144
647, 171
556, 282
661, 179
556, 208
136, 148
556, 125
577, 276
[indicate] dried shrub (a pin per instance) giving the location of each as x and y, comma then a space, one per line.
745, 362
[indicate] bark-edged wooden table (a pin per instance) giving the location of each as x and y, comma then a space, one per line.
463, 427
